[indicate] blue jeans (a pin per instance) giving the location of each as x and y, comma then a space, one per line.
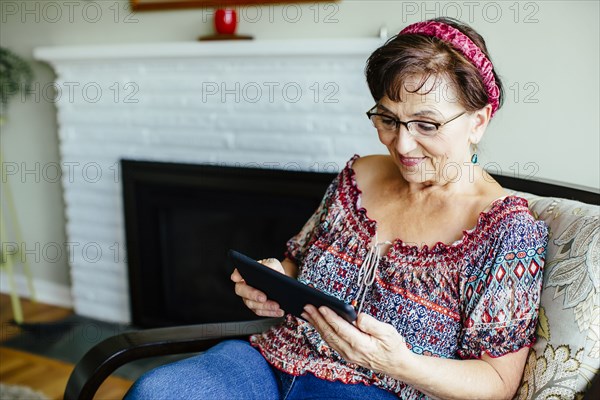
235, 370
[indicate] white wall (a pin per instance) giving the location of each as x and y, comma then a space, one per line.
546, 51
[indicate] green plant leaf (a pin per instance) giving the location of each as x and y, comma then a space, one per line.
16, 77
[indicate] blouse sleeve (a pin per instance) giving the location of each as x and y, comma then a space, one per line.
297, 246
502, 298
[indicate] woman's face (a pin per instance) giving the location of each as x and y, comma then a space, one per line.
444, 157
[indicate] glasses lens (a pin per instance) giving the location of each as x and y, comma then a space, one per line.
422, 128
384, 124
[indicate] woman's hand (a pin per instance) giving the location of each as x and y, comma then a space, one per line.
369, 343
253, 298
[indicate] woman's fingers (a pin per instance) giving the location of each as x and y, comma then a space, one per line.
236, 276
256, 301
253, 298
266, 306
266, 309
248, 292
273, 263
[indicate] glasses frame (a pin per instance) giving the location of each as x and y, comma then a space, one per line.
437, 125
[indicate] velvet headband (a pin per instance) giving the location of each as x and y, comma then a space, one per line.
470, 50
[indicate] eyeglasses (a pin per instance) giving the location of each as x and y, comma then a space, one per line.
388, 124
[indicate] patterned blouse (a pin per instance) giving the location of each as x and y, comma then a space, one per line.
477, 295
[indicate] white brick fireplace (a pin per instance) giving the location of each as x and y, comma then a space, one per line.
270, 104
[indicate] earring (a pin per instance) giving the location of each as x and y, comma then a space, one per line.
474, 156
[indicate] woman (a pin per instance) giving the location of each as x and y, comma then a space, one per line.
444, 268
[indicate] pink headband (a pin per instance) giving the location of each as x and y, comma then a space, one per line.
470, 50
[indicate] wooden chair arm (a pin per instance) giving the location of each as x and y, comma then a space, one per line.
105, 357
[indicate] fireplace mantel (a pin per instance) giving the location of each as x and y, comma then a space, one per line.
252, 48
286, 104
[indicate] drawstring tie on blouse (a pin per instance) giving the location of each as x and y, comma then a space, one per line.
367, 273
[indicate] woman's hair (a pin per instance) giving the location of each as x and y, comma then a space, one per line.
413, 55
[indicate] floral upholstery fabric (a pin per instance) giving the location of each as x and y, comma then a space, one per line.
566, 355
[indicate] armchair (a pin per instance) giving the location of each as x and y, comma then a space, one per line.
563, 363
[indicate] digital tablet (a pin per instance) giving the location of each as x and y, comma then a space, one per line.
290, 294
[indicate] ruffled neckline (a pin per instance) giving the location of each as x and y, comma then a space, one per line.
398, 244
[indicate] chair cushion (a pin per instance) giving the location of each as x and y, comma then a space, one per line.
566, 355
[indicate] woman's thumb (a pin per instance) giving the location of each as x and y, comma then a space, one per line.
272, 263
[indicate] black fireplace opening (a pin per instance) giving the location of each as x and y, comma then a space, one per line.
180, 220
